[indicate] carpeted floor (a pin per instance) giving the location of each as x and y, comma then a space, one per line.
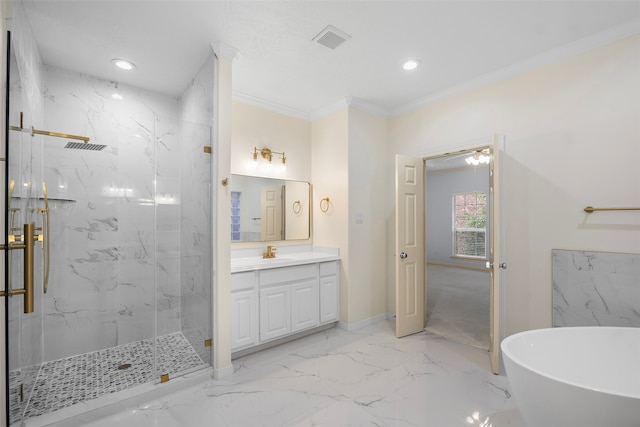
458, 304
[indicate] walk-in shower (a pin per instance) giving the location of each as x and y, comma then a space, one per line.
118, 229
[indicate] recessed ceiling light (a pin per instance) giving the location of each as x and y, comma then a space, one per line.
124, 64
411, 64
117, 96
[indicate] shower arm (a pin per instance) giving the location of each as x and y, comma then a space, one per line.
34, 131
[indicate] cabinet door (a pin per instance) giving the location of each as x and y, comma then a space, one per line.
304, 305
244, 319
328, 299
275, 312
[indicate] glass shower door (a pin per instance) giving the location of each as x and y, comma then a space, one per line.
25, 234
183, 247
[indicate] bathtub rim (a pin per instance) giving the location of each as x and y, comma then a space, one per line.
508, 353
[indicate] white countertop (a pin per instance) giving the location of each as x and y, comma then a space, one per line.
251, 259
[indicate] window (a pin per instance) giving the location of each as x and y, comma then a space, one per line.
469, 224
235, 216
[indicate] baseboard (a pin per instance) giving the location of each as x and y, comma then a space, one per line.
362, 323
288, 338
223, 372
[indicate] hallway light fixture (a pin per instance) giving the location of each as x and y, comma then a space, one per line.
478, 158
267, 154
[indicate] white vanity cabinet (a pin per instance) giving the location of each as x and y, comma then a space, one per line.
288, 300
273, 303
275, 312
329, 291
244, 310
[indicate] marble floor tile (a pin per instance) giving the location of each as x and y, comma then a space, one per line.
366, 377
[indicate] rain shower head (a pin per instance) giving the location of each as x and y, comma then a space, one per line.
84, 146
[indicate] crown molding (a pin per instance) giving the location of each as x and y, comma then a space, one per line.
368, 107
224, 51
271, 106
577, 47
350, 102
603, 38
329, 109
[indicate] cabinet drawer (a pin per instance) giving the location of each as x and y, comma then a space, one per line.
288, 274
242, 281
329, 268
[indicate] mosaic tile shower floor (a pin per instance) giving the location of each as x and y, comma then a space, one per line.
66, 382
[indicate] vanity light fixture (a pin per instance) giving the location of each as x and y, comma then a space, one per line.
411, 64
267, 154
123, 64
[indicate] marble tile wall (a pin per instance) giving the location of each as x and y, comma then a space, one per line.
116, 243
596, 288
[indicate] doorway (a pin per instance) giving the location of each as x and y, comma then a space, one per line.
410, 260
457, 230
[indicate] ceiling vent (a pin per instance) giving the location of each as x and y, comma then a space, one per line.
331, 37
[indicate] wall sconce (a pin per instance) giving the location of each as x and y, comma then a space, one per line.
267, 154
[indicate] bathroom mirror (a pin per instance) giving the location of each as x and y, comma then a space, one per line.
267, 209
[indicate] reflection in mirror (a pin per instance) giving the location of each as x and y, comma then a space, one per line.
266, 209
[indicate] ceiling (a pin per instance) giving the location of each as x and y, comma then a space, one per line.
458, 42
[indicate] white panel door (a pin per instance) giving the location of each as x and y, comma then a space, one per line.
410, 247
271, 212
275, 312
304, 305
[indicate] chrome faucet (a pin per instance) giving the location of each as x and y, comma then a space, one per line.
270, 252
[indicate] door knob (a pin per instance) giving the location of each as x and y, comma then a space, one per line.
403, 255
502, 265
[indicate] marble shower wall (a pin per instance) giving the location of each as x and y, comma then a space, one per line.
116, 244
596, 288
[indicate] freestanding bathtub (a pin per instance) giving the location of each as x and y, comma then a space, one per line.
575, 376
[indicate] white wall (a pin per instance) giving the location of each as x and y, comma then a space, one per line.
366, 217
330, 177
573, 139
